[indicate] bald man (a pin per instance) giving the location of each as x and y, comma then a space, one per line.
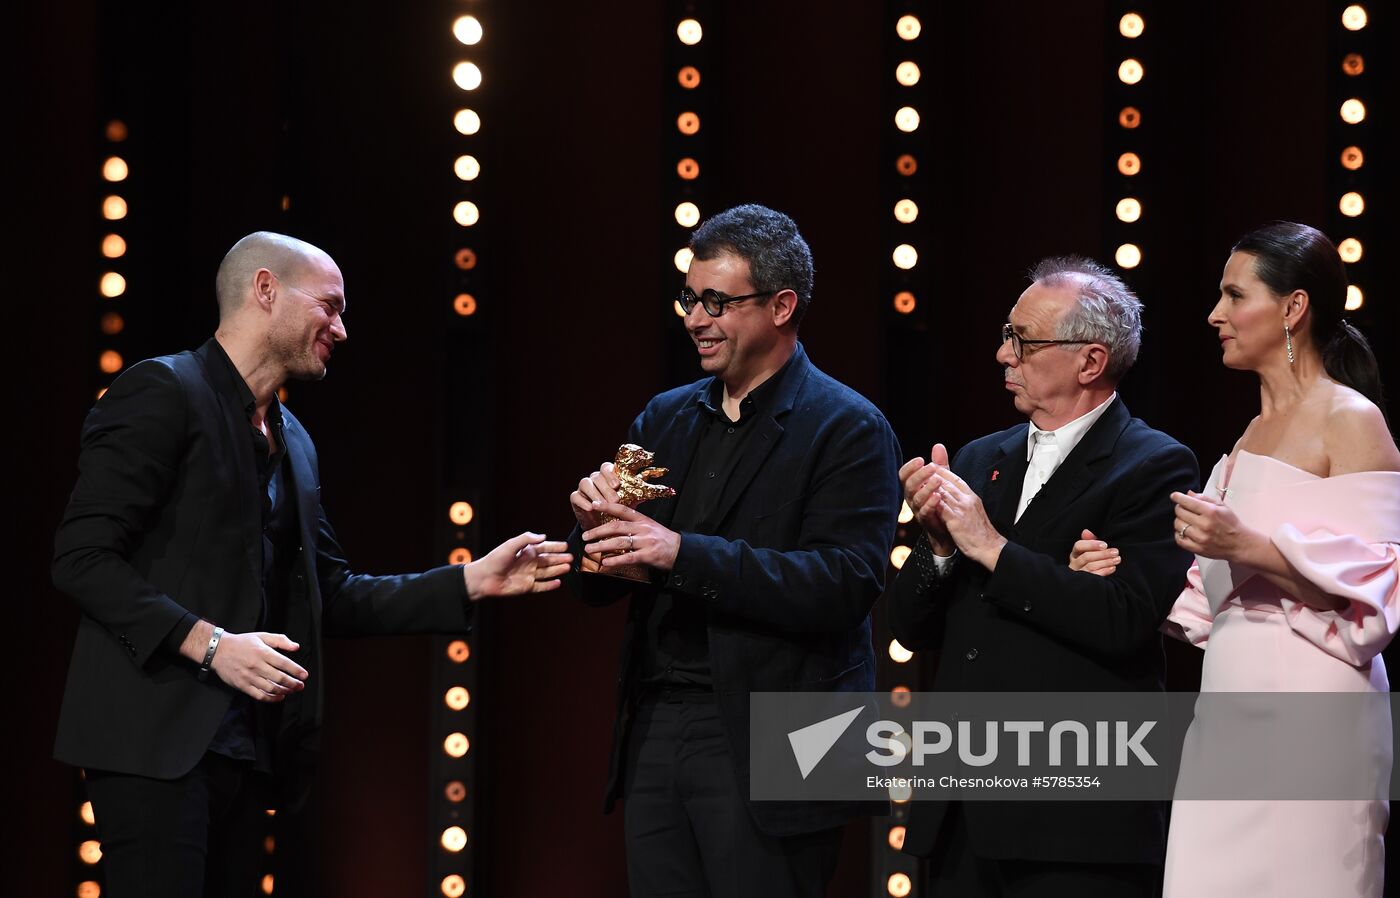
206, 574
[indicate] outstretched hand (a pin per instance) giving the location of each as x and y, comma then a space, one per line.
525, 563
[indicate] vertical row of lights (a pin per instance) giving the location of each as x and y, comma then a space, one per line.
466, 167
1353, 132
687, 55
112, 283
89, 853
908, 28
1127, 160
454, 679
906, 53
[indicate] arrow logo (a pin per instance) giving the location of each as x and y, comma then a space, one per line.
811, 743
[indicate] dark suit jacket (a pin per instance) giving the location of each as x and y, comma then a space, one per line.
1035, 625
166, 519
788, 566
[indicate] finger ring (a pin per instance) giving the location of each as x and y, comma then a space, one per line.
1181, 534
629, 542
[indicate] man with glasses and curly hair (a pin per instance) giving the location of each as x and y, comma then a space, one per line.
763, 570
988, 587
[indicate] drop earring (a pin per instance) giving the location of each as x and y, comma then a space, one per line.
1288, 341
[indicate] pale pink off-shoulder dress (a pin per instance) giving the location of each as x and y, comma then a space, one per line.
1340, 533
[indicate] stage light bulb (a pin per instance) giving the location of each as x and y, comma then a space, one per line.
898, 653
466, 213
268, 882
682, 259
901, 792
1354, 17
112, 285
461, 554
906, 514
116, 131
688, 123
458, 651
1350, 250
467, 75
687, 215
113, 208
466, 121
907, 73
1129, 164
467, 30
110, 362
465, 258
461, 513
904, 302
114, 169
85, 813
1129, 117
456, 745
89, 889
907, 119
906, 164
463, 304
1352, 204
688, 169
466, 168
113, 246
112, 324
1353, 111
1354, 298
1131, 25
455, 791
90, 851
1353, 64
678, 308
1130, 71
454, 839
453, 886
1128, 210
908, 27
690, 32
457, 698
899, 555
899, 885
1353, 158
906, 211
900, 696
689, 77
896, 838
1128, 255
905, 256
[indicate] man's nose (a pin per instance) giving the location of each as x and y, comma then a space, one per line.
338, 332
1006, 355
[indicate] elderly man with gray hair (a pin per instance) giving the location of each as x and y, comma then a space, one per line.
987, 587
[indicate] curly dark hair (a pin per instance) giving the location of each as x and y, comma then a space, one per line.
779, 259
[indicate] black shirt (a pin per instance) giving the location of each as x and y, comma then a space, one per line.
675, 645
244, 732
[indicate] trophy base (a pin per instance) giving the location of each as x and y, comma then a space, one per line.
637, 573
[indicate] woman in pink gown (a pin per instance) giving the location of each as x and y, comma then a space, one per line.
1296, 582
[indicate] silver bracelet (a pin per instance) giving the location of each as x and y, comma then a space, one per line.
209, 652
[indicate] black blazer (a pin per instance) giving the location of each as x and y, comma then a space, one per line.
1034, 625
788, 566
165, 519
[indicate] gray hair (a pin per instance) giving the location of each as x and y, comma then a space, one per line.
1108, 312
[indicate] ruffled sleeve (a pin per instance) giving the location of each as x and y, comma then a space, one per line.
1190, 618
1366, 575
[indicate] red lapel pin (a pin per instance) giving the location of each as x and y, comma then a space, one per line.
994, 474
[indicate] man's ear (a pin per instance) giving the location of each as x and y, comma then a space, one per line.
264, 288
1094, 362
784, 306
